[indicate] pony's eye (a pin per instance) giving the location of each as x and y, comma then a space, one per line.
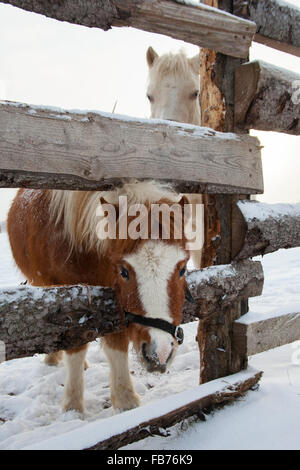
124, 273
195, 94
150, 98
182, 272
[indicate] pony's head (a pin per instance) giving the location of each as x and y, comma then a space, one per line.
173, 89
149, 275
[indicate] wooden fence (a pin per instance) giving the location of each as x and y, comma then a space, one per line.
50, 148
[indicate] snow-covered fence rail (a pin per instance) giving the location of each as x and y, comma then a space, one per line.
181, 19
253, 334
154, 419
267, 98
52, 148
277, 23
265, 228
43, 320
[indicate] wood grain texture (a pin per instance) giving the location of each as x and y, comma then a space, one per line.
43, 320
103, 149
267, 98
266, 334
265, 228
204, 404
196, 24
278, 23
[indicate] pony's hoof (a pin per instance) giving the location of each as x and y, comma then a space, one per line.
127, 401
73, 405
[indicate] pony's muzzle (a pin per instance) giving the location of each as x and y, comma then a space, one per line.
152, 360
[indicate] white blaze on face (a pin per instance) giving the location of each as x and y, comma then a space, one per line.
154, 265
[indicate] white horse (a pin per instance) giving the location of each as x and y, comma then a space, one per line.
173, 92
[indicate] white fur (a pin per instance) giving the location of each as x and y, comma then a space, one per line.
154, 265
173, 78
74, 387
123, 395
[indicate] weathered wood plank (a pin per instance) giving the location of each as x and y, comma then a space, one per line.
154, 418
265, 228
191, 22
257, 336
98, 149
43, 320
277, 22
267, 98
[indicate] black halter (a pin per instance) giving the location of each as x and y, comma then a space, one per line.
175, 331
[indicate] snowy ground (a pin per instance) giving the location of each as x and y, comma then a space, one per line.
31, 392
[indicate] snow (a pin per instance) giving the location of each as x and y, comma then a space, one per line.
31, 392
67, 115
206, 274
98, 431
262, 211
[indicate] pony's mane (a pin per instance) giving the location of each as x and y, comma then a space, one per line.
170, 63
76, 210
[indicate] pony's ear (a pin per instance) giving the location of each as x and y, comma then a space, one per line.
186, 208
151, 56
195, 63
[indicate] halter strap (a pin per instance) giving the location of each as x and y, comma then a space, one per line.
175, 331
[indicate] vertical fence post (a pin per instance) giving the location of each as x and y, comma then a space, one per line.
218, 354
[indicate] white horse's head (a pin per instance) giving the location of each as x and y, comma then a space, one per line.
173, 89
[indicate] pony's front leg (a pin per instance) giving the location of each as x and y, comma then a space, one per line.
123, 395
74, 386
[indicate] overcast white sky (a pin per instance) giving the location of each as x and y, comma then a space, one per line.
48, 62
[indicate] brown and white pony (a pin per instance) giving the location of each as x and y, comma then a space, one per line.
53, 236
173, 92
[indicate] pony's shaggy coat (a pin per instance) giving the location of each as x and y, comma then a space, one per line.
54, 242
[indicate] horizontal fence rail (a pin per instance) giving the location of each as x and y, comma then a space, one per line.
262, 228
52, 148
277, 23
43, 320
153, 419
267, 98
195, 402
253, 335
188, 21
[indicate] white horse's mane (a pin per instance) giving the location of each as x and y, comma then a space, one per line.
172, 63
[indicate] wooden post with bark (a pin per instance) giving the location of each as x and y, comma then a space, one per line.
267, 98
215, 334
277, 23
264, 228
